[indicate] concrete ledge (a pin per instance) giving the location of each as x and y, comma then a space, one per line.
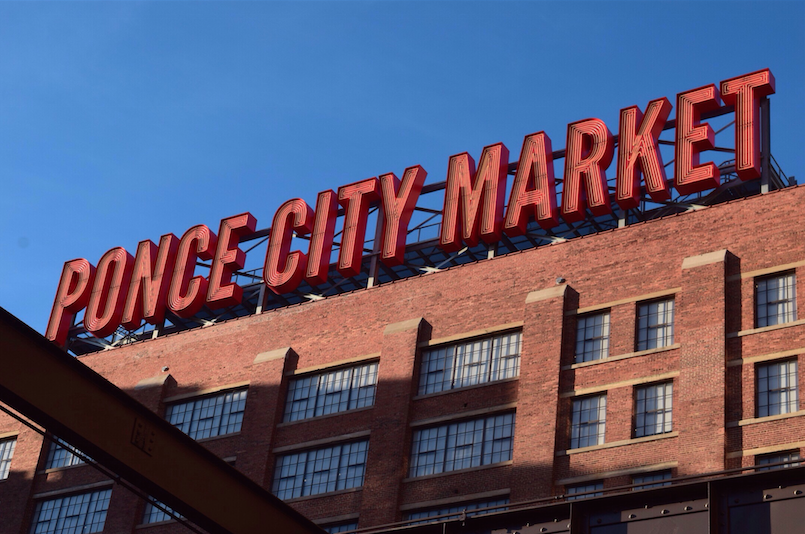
621, 443
766, 357
719, 256
614, 385
766, 450
357, 360
768, 418
74, 489
618, 473
503, 408
325, 441
153, 381
762, 329
629, 300
471, 334
271, 355
402, 326
621, 357
763, 272
206, 391
546, 294
450, 500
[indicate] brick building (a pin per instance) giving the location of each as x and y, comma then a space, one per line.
634, 356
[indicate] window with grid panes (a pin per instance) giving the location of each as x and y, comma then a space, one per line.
62, 454
462, 445
652, 480
7, 447
155, 514
82, 513
777, 457
777, 388
335, 391
776, 299
655, 324
455, 511
469, 363
653, 409
574, 491
210, 416
322, 470
592, 337
588, 423
341, 527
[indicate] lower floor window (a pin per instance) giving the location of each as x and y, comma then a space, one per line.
82, 513
462, 445
776, 458
320, 470
447, 513
6, 453
341, 527
158, 514
652, 480
585, 491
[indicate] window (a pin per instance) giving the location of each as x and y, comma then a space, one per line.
62, 454
777, 457
6, 452
589, 421
341, 527
776, 299
332, 392
211, 416
462, 445
455, 511
470, 363
777, 388
653, 407
655, 324
76, 513
652, 480
154, 514
573, 491
592, 337
320, 471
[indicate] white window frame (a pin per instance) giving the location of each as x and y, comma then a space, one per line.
775, 299
209, 416
654, 405
335, 391
777, 385
655, 324
462, 445
81, 512
468, 363
317, 471
592, 337
588, 422
7, 446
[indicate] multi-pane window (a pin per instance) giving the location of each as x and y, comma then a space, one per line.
320, 470
211, 416
154, 514
462, 445
588, 424
652, 480
776, 299
776, 458
455, 511
341, 527
62, 454
653, 409
6, 453
574, 491
82, 513
655, 324
592, 337
335, 391
777, 388
470, 363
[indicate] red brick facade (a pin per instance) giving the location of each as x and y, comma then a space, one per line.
706, 261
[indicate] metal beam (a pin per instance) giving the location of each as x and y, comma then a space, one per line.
75, 403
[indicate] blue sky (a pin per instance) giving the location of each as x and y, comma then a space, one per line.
124, 121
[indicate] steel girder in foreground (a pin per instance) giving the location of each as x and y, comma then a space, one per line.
72, 401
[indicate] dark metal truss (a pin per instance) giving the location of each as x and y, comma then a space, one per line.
423, 255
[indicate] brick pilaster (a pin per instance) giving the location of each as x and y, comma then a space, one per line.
700, 328
538, 393
389, 442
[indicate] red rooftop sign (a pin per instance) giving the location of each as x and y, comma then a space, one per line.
126, 290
